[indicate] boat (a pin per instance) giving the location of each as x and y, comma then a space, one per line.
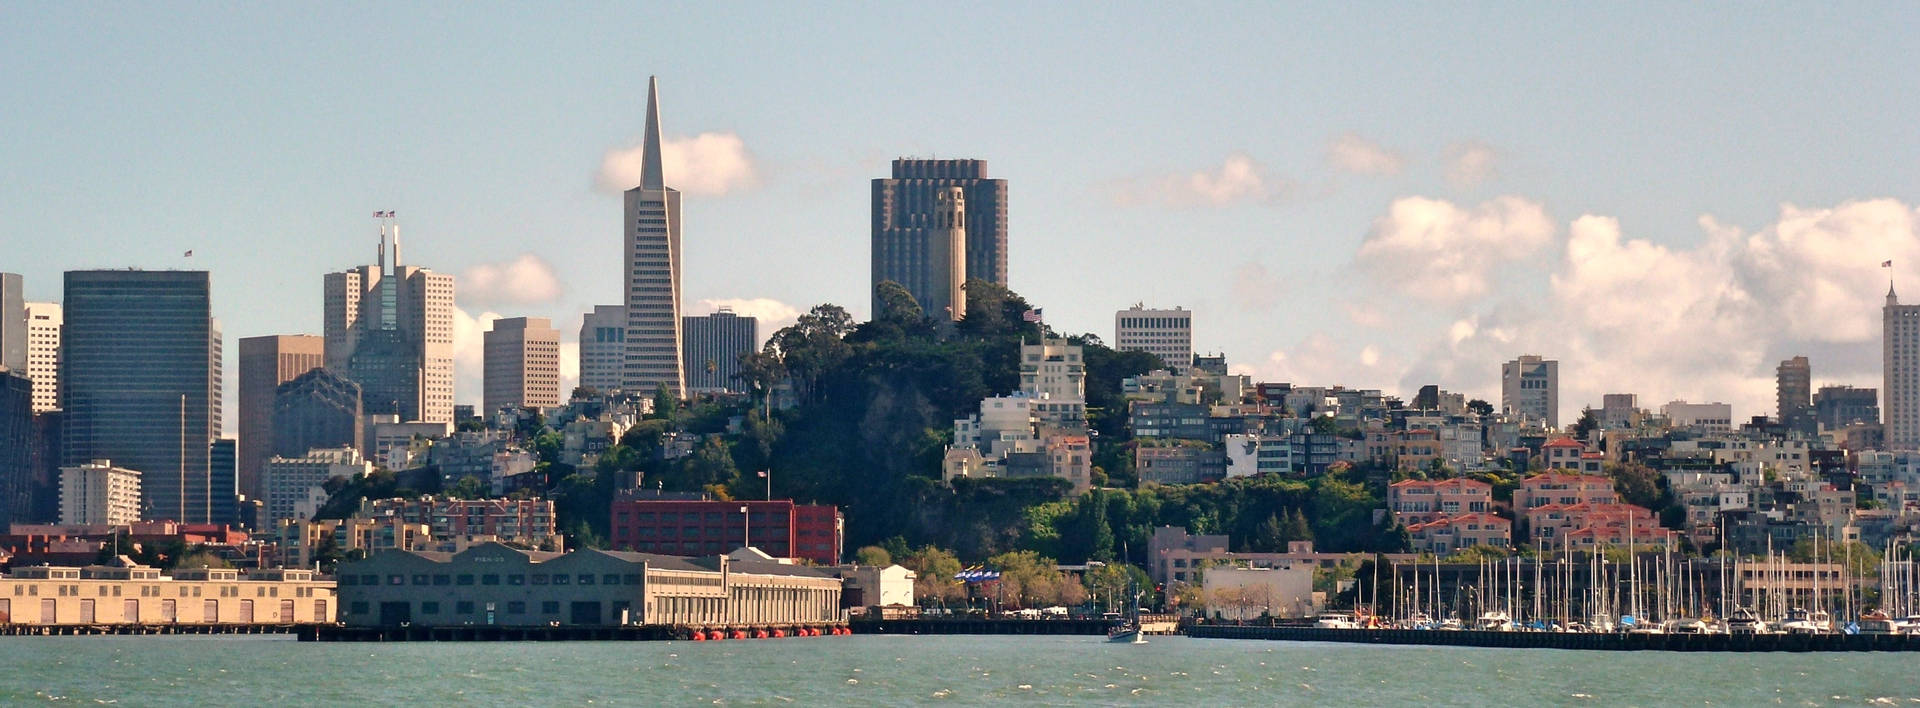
1685, 625
1495, 621
1450, 624
1598, 623
1129, 632
1877, 622
1744, 621
1418, 620
1335, 620
1800, 621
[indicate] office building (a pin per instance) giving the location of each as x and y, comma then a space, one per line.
653, 523
1053, 374
13, 323
140, 382
603, 347
1793, 391
715, 344
521, 360
1708, 417
1900, 360
652, 272
1836, 407
43, 354
914, 214
293, 484
223, 481
526, 523
99, 492
317, 409
16, 448
390, 329
1167, 334
1619, 410
265, 363
1530, 391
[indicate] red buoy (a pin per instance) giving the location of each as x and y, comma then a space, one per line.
779, 633
699, 636
739, 634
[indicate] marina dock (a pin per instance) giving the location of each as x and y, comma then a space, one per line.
1572, 640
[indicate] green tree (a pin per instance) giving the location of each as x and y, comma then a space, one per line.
469, 487
873, 555
1587, 423
664, 403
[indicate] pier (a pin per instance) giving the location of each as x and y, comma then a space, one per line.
1571, 640
969, 625
80, 630
561, 633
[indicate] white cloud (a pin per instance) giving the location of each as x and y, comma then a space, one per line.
1471, 163
1358, 155
469, 358
525, 280
1432, 249
773, 315
1238, 180
1701, 321
1254, 288
707, 164
569, 362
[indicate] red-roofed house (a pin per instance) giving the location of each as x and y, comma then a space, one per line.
1419, 501
1464, 531
1563, 488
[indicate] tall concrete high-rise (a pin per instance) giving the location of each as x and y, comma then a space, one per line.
13, 323
1793, 394
1530, 390
265, 363
1164, 333
714, 345
910, 234
652, 274
603, 347
43, 354
391, 331
317, 409
140, 382
521, 356
1900, 371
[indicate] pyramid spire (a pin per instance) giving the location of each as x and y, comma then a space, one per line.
651, 176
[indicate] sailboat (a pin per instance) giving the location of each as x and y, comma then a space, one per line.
1129, 632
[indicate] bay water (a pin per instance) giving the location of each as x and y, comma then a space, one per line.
936, 670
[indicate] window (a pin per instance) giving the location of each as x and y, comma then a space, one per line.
550, 607
463, 607
516, 580
357, 608
610, 579
396, 579
430, 608
586, 578
489, 580
560, 578
441, 579
516, 608
539, 579
633, 579
463, 579
369, 580
420, 579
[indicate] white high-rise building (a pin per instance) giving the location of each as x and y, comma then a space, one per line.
43, 354
603, 347
99, 493
1167, 334
522, 364
1900, 342
1530, 390
391, 331
1053, 373
293, 484
652, 274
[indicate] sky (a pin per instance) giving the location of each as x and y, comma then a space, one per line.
1668, 199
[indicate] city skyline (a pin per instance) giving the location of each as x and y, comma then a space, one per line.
1342, 208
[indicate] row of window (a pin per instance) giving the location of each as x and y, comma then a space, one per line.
494, 579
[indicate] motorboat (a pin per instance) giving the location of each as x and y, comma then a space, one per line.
1450, 624
1800, 621
1335, 620
1599, 623
1744, 621
1877, 622
1495, 621
1129, 632
1418, 620
1685, 625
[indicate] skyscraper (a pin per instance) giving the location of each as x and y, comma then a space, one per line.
13, 323
223, 478
1164, 333
1900, 369
391, 331
603, 347
652, 273
43, 354
522, 364
1530, 390
16, 448
1793, 392
265, 363
140, 382
714, 345
317, 409
910, 232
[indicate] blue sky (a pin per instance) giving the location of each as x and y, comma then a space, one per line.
1383, 197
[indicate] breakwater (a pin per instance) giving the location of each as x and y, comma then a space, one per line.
1572, 640
930, 625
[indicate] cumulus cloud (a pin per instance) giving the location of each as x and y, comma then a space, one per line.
1238, 180
469, 353
1435, 250
1360, 156
772, 315
1471, 163
525, 280
1705, 320
707, 164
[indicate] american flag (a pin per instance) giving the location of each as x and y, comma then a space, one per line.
1032, 315
763, 473
1886, 264
383, 215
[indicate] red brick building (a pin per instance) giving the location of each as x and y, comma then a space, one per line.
692, 527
